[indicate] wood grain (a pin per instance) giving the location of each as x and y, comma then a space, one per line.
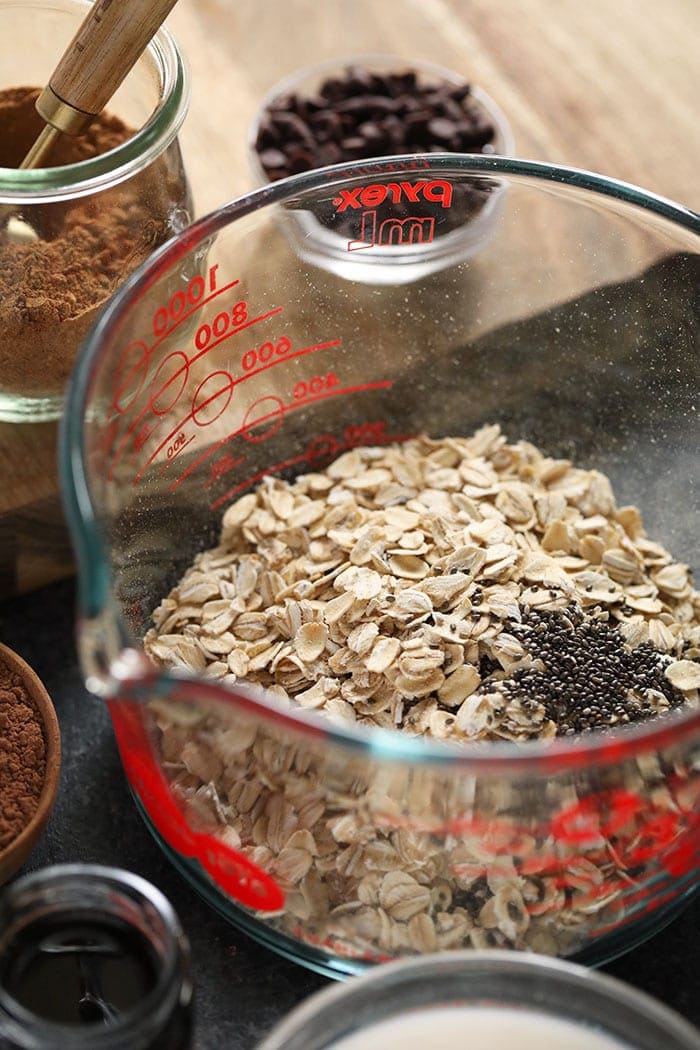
104, 49
611, 87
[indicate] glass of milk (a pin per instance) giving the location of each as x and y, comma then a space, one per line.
482, 1001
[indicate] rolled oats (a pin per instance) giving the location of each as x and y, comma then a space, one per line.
417, 587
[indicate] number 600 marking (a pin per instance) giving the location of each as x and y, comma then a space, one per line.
264, 353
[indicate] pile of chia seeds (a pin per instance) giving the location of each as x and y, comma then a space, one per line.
592, 680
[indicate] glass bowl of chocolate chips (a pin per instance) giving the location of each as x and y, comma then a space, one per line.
389, 588
364, 108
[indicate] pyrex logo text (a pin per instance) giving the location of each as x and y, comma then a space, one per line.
436, 191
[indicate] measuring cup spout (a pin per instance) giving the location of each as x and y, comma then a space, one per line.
104, 656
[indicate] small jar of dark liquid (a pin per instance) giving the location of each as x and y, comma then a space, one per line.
91, 958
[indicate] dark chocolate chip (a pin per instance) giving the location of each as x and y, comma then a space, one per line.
267, 136
419, 119
330, 153
452, 109
333, 90
301, 160
476, 134
284, 104
372, 133
272, 158
460, 92
354, 147
362, 114
442, 129
407, 80
359, 81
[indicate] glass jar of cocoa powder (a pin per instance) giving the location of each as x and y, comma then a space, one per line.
72, 231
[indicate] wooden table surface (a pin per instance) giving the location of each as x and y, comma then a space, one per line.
609, 85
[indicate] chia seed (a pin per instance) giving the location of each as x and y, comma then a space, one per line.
591, 679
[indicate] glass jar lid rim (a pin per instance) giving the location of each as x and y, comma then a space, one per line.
108, 169
555, 975
153, 1010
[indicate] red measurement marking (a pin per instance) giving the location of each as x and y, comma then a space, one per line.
184, 317
197, 462
174, 451
188, 363
382, 168
141, 437
285, 464
330, 344
219, 468
288, 357
235, 331
684, 854
171, 379
652, 903
107, 437
360, 388
214, 448
129, 375
385, 384
341, 948
276, 415
212, 397
321, 447
617, 823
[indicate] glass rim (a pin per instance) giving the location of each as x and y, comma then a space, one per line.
39, 185
499, 963
94, 584
95, 880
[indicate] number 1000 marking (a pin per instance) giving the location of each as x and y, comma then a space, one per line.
181, 300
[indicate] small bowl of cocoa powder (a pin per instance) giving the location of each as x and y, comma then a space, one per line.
30, 760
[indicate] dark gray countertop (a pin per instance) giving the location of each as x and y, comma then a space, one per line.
242, 989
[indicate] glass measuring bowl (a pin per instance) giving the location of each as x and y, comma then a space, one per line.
46, 307
228, 359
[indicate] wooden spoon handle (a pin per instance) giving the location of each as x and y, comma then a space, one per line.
105, 47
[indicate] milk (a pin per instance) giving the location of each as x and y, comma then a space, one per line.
477, 1028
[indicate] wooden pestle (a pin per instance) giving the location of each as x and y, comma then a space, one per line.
105, 47
107, 44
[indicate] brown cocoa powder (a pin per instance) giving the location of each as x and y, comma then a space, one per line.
51, 290
22, 756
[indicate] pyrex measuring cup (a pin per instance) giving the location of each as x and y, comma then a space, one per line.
228, 359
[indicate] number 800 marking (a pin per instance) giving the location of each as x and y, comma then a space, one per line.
221, 324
